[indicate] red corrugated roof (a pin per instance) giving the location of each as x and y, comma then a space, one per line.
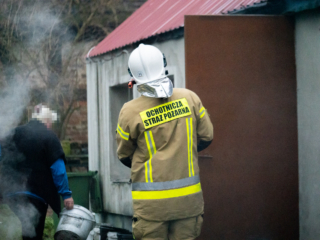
159, 16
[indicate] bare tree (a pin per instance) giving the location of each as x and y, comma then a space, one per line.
40, 41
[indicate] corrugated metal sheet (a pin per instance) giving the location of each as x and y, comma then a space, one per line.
159, 16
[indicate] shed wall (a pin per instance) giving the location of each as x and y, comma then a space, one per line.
100, 76
308, 92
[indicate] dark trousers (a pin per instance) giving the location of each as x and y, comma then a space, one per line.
32, 214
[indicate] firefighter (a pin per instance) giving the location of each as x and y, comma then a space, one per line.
159, 136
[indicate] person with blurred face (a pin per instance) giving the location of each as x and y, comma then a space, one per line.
33, 172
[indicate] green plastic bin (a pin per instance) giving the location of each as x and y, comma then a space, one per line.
81, 184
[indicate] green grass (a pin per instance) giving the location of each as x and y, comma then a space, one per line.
49, 230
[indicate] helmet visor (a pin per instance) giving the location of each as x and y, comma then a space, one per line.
161, 88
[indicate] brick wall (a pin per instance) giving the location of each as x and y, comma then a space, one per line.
77, 128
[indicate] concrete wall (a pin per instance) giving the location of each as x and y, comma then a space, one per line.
107, 77
308, 90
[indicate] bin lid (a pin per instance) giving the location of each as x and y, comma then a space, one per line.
81, 174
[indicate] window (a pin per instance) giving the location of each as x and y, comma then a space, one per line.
119, 95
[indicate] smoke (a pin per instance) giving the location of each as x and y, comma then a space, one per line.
29, 217
41, 24
27, 214
13, 179
41, 33
14, 100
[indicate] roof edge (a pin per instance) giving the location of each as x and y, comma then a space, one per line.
172, 34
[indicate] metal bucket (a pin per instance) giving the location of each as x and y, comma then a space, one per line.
75, 224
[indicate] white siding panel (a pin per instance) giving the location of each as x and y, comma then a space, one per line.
116, 196
92, 105
308, 84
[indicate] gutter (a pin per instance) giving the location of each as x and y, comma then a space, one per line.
242, 10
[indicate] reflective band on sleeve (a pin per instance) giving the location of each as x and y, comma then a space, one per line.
202, 112
152, 150
122, 133
190, 145
142, 186
167, 193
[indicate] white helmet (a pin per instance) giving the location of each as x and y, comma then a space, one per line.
146, 63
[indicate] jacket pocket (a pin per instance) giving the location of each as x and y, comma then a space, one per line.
136, 227
199, 221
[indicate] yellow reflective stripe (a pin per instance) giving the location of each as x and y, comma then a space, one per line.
153, 144
146, 168
122, 133
188, 136
148, 145
152, 150
202, 112
167, 193
190, 145
151, 178
146, 171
